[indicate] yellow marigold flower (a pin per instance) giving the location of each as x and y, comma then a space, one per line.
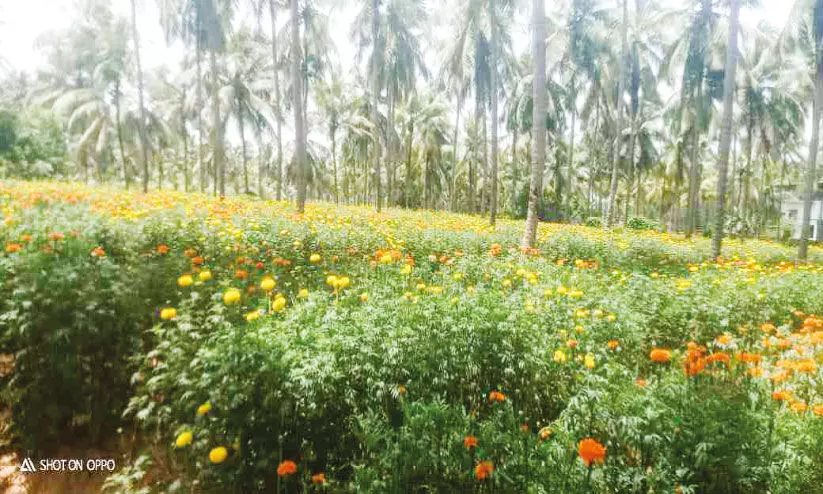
231, 296
562, 290
331, 280
297, 244
185, 280
589, 361
575, 294
303, 294
559, 357
204, 275
204, 409
364, 297
421, 287
218, 455
406, 269
251, 316
342, 282
183, 439
547, 292
386, 258
268, 284
655, 275
168, 313
315, 258
278, 304
611, 318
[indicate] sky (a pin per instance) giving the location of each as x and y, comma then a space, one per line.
23, 21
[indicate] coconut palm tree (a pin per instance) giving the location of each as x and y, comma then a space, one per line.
538, 110
726, 130
297, 101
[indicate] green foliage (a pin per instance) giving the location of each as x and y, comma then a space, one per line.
636, 223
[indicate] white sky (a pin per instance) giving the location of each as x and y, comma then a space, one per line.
22, 21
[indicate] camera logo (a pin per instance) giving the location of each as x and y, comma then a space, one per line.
28, 466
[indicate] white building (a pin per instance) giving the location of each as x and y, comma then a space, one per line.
792, 210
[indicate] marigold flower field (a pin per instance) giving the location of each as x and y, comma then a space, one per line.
231, 345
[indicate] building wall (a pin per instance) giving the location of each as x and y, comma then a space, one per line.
792, 211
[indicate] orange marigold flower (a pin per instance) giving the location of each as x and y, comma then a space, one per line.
613, 344
781, 395
660, 355
799, 407
591, 451
318, 478
13, 247
640, 382
497, 396
197, 260
162, 249
749, 358
98, 252
470, 442
190, 253
818, 410
767, 327
286, 468
719, 357
806, 366
483, 470
56, 236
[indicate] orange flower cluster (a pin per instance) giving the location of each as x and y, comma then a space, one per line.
496, 250
693, 361
483, 470
812, 324
591, 451
497, 396
660, 355
286, 468
470, 442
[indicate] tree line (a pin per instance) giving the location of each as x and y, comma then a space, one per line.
643, 108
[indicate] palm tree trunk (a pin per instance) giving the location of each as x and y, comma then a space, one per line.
778, 235
201, 160
609, 214
141, 126
453, 196
184, 134
243, 149
408, 184
538, 113
726, 130
277, 103
493, 118
803, 248
570, 172
126, 176
375, 90
334, 164
297, 96
390, 158
217, 128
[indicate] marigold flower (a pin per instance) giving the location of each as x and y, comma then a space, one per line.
640, 382
613, 344
781, 395
204, 409
470, 442
185, 280
268, 284
231, 296
303, 294
497, 396
545, 433
315, 258
162, 249
799, 407
56, 236
483, 470
183, 439
364, 297
318, 478
168, 313
591, 451
588, 361
286, 468
818, 410
13, 247
218, 455
97, 252
278, 304
204, 275
660, 355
